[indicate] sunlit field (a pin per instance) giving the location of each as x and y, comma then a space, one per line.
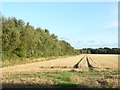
82, 71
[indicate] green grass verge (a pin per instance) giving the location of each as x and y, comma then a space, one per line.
74, 79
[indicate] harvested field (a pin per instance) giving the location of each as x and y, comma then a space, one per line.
81, 64
107, 61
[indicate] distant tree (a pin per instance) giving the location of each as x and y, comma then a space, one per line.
104, 50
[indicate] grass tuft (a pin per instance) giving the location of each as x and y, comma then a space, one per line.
94, 79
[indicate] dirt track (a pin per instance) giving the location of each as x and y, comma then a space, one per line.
78, 63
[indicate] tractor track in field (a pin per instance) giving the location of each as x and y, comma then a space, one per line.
88, 63
77, 63
84, 63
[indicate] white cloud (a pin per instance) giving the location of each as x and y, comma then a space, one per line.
95, 44
115, 24
64, 38
92, 41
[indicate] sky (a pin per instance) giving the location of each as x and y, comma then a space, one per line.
82, 24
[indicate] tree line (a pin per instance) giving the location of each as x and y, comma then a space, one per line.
23, 40
104, 50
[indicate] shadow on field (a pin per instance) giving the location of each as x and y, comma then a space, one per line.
42, 86
76, 65
53, 87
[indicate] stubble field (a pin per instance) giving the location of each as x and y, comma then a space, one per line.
83, 71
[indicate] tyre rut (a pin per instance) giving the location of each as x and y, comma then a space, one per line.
88, 63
